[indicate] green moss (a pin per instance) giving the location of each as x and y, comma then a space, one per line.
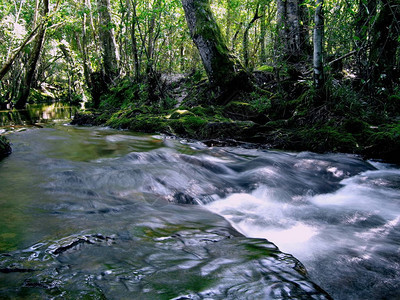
37, 96
151, 124
325, 138
385, 143
266, 68
240, 111
202, 111
393, 103
177, 114
188, 125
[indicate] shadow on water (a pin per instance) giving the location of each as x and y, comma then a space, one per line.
37, 114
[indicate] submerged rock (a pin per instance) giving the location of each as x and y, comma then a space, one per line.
5, 148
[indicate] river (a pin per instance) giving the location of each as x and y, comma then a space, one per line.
100, 213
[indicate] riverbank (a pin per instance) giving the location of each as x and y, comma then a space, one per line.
189, 108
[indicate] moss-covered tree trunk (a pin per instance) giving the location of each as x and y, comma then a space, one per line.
220, 66
33, 59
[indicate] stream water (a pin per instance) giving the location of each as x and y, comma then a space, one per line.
100, 213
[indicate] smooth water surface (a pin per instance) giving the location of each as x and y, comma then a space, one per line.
94, 212
37, 114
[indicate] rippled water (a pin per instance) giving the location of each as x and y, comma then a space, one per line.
93, 212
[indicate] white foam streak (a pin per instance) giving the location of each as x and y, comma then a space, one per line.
257, 216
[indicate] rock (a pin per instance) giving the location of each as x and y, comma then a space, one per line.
86, 119
5, 147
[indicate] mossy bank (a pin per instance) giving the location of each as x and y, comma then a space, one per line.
344, 123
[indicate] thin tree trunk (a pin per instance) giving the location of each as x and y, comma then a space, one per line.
33, 59
152, 36
228, 20
6, 67
263, 29
246, 39
366, 13
318, 44
12, 37
83, 48
134, 41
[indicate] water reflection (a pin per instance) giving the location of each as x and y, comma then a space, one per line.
37, 114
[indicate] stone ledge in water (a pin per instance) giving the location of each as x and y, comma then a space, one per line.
5, 147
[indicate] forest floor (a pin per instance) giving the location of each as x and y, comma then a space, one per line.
282, 115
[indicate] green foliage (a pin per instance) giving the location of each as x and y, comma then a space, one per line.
123, 95
37, 96
385, 142
265, 68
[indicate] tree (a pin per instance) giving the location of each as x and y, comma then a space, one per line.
220, 66
363, 26
34, 57
246, 38
385, 42
318, 45
109, 45
289, 29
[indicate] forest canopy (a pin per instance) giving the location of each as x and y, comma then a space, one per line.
60, 47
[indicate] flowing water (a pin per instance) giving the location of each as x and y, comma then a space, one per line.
99, 213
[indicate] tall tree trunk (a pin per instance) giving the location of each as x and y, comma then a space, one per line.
281, 26
228, 20
87, 71
263, 33
33, 59
134, 41
152, 36
385, 41
220, 67
110, 51
318, 45
288, 22
246, 38
293, 28
304, 18
365, 17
